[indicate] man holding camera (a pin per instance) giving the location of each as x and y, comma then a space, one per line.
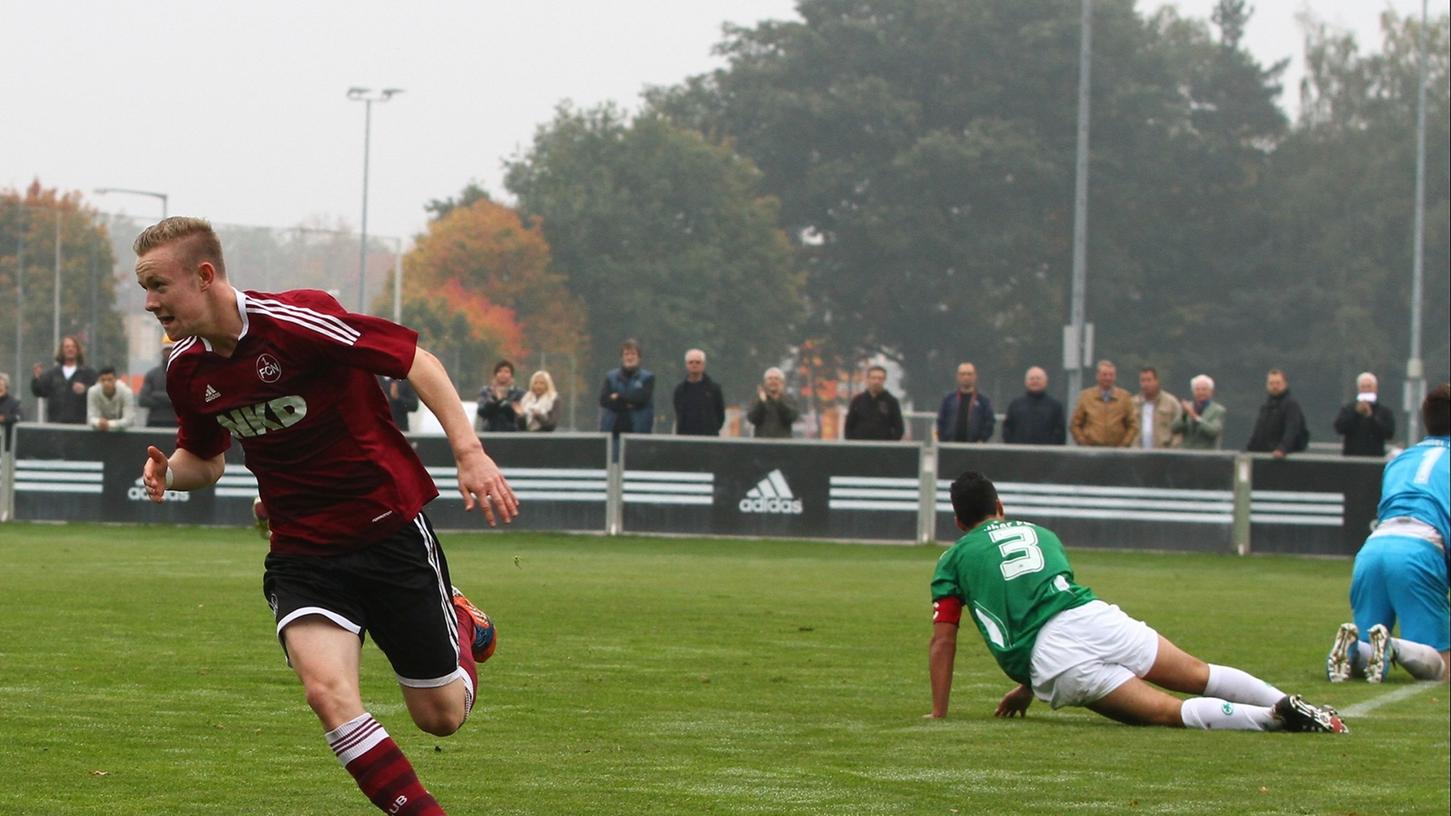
1365, 423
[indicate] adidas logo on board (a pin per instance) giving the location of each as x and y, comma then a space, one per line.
771, 495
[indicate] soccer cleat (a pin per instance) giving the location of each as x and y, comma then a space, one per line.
1382, 653
485, 639
1337, 663
1297, 715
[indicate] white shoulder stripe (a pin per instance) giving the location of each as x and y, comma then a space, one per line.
274, 306
322, 319
180, 348
306, 324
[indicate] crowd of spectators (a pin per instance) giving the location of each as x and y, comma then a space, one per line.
1103, 415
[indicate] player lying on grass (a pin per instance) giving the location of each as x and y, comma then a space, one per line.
1061, 644
1401, 571
292, 377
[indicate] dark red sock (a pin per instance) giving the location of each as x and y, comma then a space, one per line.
382, 772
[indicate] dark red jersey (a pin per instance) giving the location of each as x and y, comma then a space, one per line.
300, 394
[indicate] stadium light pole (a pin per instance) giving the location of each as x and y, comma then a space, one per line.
367, 96
127, 191
1415, 387
1074, 340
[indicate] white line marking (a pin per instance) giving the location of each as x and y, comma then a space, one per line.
1362, 708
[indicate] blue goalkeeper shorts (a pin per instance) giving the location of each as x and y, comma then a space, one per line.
1403, 579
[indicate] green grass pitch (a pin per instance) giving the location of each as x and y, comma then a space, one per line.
139, 675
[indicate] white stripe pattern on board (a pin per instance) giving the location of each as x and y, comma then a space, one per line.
323, 324
537, 484
1115, 502
237, 486
1297, 507
677, 487
58, 476
872, 493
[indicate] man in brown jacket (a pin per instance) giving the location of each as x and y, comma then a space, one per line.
1105, 416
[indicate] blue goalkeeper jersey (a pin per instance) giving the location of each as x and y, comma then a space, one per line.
1417, 484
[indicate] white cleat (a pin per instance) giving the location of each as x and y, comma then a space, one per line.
1382, 654
1337, 663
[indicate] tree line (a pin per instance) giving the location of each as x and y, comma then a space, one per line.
895, 178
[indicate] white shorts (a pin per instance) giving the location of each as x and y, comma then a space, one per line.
1086, 652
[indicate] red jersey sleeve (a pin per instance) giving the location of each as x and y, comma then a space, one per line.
358, 340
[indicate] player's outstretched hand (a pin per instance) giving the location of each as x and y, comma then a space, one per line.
1015, 703
479, 479
153, 474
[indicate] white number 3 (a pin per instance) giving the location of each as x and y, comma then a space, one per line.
1019, 547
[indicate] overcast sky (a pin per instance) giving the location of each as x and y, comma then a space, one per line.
237, 111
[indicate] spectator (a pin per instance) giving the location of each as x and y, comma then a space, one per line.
64, 387
10, 412
539, 409
402, 399
875, 413
1158, 410
773, 411
1105, 415
1035, 418
627, 398
159, 413
499, 401
699, 404
110, 405
1202, 420
966, 415
1365, 423
1280, 428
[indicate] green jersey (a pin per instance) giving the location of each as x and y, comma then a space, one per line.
1012, 577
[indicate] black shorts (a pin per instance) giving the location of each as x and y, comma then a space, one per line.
397, 589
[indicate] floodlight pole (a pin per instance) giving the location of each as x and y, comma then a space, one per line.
1075, 346
127, 191
1415, 388
367, 96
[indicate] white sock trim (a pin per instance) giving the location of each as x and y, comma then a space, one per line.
355, 737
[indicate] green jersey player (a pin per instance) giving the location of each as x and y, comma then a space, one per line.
1066, 647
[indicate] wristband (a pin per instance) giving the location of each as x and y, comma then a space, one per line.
170, 477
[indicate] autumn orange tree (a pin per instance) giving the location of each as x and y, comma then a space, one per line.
478, 287
32, 221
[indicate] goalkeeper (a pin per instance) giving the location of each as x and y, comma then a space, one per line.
1067, 648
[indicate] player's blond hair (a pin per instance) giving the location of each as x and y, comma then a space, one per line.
199, 240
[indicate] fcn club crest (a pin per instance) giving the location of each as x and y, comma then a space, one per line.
268, 369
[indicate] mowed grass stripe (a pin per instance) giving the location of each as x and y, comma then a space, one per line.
663, 676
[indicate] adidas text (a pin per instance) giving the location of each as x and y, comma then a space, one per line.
771, 505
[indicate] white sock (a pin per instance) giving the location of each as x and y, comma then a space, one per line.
1422, 661
1238, 686
1210, 714
1359, 653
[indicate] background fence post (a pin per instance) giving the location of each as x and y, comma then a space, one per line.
1243, 486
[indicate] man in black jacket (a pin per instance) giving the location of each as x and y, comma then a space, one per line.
153, 396
875, 413
64, 386
1365, 423
1280, 427
699, 404
1035, 418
